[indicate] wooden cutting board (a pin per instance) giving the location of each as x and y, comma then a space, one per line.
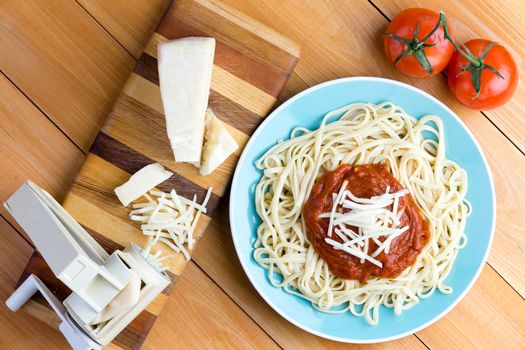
252, 64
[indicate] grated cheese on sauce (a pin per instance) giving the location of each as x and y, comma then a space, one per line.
372, 218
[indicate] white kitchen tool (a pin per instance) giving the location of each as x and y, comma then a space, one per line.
108, 291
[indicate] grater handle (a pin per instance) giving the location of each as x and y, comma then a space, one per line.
22, 294
75, 336
31, 285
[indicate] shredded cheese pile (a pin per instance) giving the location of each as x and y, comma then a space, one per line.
372, 218
170, 219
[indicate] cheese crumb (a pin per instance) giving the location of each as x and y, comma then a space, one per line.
219, 144
141, 182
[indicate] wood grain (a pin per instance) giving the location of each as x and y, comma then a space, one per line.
131, 161
130, 22
73, 70
503, 329
20, 330
216, 322
241, 33
25, 149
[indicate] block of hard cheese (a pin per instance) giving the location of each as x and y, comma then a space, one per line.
185, 67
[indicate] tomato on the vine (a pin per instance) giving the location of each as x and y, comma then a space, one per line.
415, 42
483, 75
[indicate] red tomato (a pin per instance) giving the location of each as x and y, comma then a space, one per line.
493, 90
417, 55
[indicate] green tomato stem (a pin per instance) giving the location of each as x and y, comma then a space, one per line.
474, 60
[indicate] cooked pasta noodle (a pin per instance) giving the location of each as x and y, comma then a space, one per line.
360, 133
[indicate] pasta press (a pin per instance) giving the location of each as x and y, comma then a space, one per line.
108, 291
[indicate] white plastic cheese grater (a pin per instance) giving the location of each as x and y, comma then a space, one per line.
109, 291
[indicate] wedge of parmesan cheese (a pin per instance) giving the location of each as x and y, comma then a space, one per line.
185, 66
141, 182
218, 146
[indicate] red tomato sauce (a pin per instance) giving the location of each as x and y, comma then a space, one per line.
364, 181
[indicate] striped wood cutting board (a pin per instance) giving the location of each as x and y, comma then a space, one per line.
252, 64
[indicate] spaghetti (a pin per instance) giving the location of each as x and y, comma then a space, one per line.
414, 152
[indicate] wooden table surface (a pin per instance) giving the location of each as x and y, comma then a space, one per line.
62, 65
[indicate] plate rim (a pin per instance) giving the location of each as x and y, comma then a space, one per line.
232, 206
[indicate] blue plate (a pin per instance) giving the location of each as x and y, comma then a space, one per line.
306, 109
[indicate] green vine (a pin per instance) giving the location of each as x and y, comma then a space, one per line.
416, 47
477, 64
